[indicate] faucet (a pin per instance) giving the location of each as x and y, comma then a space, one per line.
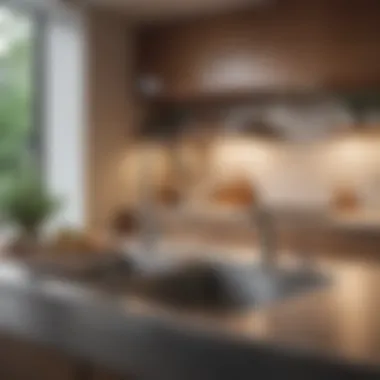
266, 234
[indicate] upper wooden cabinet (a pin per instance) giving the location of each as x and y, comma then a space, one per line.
290, 45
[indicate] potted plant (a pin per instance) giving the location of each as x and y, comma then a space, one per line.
27, 206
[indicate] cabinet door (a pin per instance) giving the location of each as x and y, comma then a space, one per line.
107, 375
26, 361
20, 360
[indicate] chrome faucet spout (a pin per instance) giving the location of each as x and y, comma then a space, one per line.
266, 235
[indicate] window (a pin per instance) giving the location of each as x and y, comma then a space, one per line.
18, 32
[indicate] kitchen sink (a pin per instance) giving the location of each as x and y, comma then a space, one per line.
197, 284
207, 285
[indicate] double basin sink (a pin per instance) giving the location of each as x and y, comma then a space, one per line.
197, 284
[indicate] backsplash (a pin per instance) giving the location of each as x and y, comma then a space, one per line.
315, 150
303, 174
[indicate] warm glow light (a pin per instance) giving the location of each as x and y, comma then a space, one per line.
240, 71
351, 150
352, 160
283, 174
242, 151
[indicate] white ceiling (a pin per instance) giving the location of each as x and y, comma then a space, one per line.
162, 9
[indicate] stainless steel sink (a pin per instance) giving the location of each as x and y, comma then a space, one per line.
198, 284
221, 286
202, 284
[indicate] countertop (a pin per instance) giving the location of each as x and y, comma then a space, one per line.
365, 219
331, 333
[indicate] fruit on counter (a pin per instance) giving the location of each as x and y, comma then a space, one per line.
168, 195
235, 193
345, 200
125, 222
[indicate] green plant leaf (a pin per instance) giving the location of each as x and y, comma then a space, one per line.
28, 204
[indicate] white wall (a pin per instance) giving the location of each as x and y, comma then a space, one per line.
65, 112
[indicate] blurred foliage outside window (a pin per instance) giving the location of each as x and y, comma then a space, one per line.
16, 118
